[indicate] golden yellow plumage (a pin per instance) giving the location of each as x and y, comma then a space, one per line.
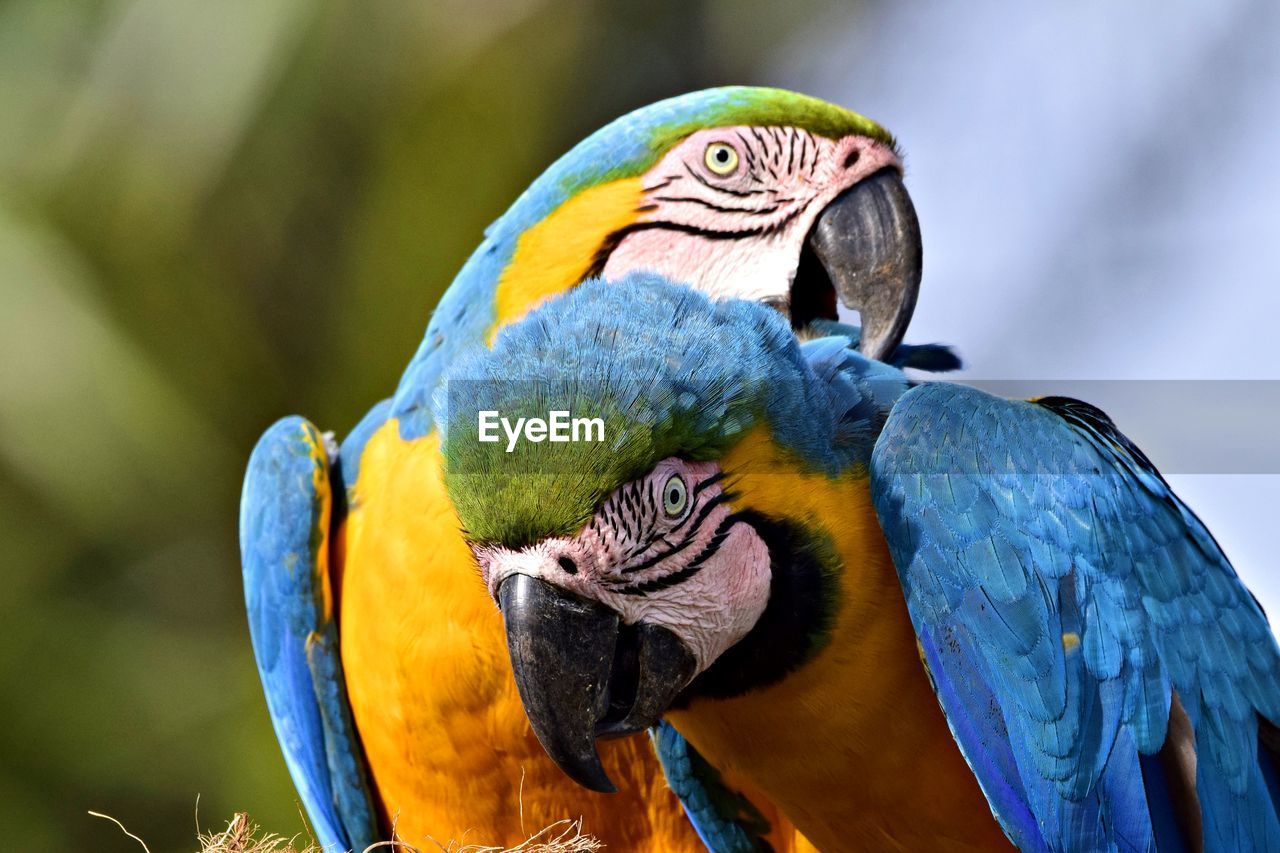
560, 249
850, 744
431, 688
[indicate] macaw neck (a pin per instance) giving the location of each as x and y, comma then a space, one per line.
850, 743
529, 255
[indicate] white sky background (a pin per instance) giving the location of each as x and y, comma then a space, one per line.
1098, 186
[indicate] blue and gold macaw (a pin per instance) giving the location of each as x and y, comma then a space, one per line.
382, 657
772, 535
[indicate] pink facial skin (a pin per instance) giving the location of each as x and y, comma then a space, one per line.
784, 178
701, 573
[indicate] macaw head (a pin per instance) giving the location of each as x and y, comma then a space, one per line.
627, 564
741, 192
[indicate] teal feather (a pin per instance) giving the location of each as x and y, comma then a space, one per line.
671, 372
726, 821
1125, 566
295, 640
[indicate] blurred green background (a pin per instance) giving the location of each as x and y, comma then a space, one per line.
217, 212
213, 214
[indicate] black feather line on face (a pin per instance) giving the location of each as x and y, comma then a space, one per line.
642, 547
719, 208
665, 182
612, 241
686, 540
771, 155
695, 565
796, 623
719, 189
690, 530
749, 154
620, 517
658, 557
708, 481
651, 516
650, 505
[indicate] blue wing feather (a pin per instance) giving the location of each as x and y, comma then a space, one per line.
1062, 593
932, 358
724, 819
284, 516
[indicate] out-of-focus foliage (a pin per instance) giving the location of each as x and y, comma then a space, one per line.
217, 212
213, 214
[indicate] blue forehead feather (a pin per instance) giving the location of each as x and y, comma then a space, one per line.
673, 372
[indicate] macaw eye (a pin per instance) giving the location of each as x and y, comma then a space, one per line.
674, 496
721, 158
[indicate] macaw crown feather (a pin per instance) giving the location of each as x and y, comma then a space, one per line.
670, 373
628, 146
661, 125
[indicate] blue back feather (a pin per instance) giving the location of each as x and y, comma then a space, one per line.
725, 820
1061, 592
294, 636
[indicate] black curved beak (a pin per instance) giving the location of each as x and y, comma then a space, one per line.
583, 675
868, 241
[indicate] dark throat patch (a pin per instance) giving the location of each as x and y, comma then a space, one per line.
796, 622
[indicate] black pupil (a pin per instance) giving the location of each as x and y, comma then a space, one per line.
673, 495
722, 155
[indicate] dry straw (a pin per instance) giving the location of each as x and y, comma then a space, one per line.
242, 836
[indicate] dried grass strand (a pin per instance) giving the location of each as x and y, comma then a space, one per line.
243, 836
122, 829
